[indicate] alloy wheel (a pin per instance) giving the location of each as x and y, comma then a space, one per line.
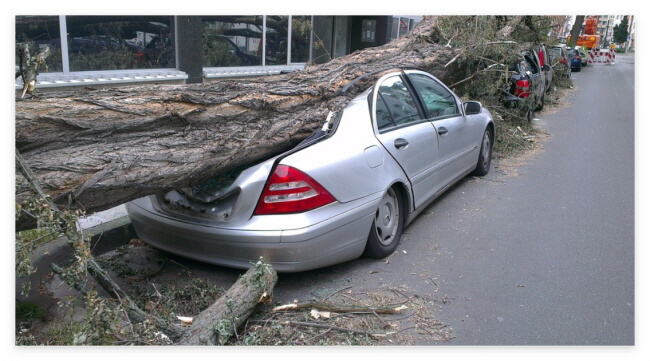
387, 218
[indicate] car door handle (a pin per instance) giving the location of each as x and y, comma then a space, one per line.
442, 131
401, 143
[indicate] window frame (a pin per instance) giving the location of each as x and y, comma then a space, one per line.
375, 98
264, 69
66, 77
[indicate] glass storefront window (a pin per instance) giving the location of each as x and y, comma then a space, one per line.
39, 32
119, 42
276, 40
300, 35
232, 41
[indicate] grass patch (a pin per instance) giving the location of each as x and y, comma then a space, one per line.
27, 311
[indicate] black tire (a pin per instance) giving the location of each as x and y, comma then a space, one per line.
387, 227
579, 68
485, 156
540, 106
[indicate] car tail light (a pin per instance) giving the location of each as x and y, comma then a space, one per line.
578, 57
563, 61
522, 88
289, 190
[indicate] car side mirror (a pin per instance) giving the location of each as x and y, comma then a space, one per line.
472, 108
547, 67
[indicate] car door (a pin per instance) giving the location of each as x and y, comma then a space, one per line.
545, 64
458, 136
538, 84
406, 135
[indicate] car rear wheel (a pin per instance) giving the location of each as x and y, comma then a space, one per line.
387, 226
540, 106
485, 156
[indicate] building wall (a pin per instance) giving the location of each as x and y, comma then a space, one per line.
108, 50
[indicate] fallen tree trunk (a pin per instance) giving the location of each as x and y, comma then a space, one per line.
110, 146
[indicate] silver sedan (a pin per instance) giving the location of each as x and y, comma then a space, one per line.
348, 190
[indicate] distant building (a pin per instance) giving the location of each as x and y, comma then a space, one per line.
94, 50
606, 25
560, 27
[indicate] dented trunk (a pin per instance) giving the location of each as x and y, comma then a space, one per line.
231, 197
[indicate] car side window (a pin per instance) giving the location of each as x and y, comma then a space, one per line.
437, 100
384, 119
395, 105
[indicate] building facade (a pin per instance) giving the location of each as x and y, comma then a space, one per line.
606, 25
93, 50
560, 26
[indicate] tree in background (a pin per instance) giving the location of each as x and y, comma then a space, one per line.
620, 31
575, 31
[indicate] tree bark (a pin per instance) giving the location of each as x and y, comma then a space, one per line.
216, 324
110, 146
575, 31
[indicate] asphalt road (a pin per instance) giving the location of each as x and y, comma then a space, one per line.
538, 254
547, 257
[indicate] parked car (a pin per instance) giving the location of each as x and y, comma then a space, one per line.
545, 65
158, 51
583, 55
575, 59
527, 85
349, 189
559, 56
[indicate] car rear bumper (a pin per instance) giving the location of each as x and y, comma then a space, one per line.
330, 241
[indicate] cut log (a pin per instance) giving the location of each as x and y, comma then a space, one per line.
216, 324
110, 146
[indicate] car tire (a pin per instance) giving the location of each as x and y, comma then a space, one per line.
387, 226
540, 106
579, 67
485, 156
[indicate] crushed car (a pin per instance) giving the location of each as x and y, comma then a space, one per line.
348, 190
